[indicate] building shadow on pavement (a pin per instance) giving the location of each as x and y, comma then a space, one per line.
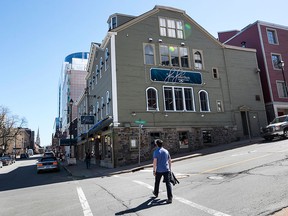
152, 202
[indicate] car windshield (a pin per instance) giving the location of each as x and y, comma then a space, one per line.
48, 159
279, 119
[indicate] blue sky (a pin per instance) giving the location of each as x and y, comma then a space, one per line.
36, 36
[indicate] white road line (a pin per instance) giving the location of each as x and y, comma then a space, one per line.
84, 203
144, 184
187, 202
200, 207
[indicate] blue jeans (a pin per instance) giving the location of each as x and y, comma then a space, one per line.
167, 182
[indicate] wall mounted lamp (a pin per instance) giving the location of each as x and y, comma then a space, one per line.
133, 113
160, 40
182, 44
150, 39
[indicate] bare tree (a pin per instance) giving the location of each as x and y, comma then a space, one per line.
10, 126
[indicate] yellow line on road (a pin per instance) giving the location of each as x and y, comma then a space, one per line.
233, 164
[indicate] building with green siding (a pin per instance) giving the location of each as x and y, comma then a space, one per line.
161, 75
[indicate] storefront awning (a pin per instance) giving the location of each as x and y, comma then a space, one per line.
100, 125
68, 142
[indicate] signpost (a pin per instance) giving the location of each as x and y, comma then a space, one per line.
141, 123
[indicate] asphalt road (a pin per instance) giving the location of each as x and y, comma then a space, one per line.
250, 180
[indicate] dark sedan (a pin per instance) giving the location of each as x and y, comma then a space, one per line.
48, 164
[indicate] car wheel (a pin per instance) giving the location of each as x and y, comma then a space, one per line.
286, 133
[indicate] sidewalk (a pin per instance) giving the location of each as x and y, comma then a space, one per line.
80, 171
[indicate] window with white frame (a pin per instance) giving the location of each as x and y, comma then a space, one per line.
215, 73
178, 98
97, 73
272, 36
149, 51
276, 58
101, 67
106, 58
113, 23
204, 101
102, 107
281, 88
152, 99
183, 54
108, 99
93, 80
198, 59
98, 111
171, 28
174, 56
219, 106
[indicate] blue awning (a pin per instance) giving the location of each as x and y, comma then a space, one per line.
100, 125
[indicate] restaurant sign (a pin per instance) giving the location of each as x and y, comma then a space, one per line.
175, 76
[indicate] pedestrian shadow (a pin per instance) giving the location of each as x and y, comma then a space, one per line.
147, 204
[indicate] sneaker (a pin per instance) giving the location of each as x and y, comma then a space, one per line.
169, 201
156, 195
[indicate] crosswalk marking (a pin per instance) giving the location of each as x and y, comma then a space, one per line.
187, 202
84, 203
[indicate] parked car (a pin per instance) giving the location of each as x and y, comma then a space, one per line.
1, 164
24, 156
48, 164
6, 160
277, 128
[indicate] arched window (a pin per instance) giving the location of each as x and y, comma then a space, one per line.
198, 64
204, 101
149, 54
152, 99
106, 58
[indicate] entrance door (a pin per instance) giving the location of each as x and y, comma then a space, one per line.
245, 123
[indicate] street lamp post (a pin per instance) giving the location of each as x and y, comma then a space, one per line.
70, 126
281, 65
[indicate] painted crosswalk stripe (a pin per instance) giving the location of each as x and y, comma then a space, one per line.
84, 203
187, 202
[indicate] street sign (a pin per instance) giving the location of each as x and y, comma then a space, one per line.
140, 121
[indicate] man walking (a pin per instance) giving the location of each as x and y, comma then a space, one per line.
162, 167
88, 159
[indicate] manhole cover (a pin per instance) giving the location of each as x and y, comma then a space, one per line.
215, 177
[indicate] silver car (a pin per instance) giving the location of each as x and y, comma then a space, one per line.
48, 164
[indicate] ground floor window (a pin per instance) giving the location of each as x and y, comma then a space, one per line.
183, 139
107, 146
206, 135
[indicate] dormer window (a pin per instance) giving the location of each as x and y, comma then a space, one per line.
113, 23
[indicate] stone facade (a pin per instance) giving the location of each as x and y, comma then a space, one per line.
126, 154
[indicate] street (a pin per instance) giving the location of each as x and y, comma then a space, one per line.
247, 180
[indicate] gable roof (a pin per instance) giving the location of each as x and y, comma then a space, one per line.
155, 10
258, 22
